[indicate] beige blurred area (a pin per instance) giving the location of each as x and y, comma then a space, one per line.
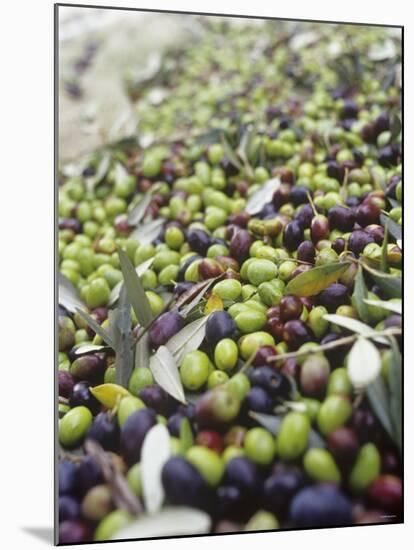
125, 41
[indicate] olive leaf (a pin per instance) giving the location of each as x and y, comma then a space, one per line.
359, 295
135, 290
185, 436
270, 422
101, 172
390, 284
395, 384
140, 270
109, 394
165, 372
384, 249
214, 303
395, 307
313, 281
230, 154
96, 327
393, 227
142, 352
195, 294
382, 52
379, 399
262, 196
123, 340
84, 349
156, 450
187, 339
147, 232
68, 296
364, 363
395, 127
171, 521
138, 212
355, 326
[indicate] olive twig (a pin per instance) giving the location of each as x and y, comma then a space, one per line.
393, 331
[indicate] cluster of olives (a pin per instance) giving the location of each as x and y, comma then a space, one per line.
329, 462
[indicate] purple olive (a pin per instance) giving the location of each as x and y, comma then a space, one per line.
164, 328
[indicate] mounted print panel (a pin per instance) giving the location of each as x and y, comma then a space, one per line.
228, 273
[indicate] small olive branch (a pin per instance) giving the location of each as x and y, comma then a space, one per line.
393, 331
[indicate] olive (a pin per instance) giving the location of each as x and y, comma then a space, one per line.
320, 505
358, 240
133, 433
280, 487
82, 396
219, 326
271, 380
319, 228
290, 308
341, 218
343, 444
74, 532
314, 374
211, 439
199, 241
69, 509
184, 485
89, 474
296, 333
304, 216
292, 235
258, 400
367, 213
334, 296
386, 493
74, 425
156, 398
306, 252
68, 472
164, 327
97, 503
217, 407
105, 430
240, 244
66, 384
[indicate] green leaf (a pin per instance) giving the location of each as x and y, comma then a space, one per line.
313, 281
395, 307
390, 284
378, 396
165, 372
393, 227
138, 212
147, 232
186, 436
135, 290
96, 327
140, 270
156, 450
355, 326
230, 154
384, 250
364, 363
101, 172
262, 196
187, 339
123, 341
68, 296
142, 353
270, 422
359, 295
395, 384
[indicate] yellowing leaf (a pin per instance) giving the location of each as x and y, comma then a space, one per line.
214, 303
313, 281
109, 394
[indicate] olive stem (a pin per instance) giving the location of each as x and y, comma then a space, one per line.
315, 212
332, 345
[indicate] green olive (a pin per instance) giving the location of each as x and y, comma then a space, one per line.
229, 289
250, 321
259, 446
111, 524
367, 467
74, 425
207, 462
194, 370
127, 406
334, 413
293, 435
226, 354
320, 465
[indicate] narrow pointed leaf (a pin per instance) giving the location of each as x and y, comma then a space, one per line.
395, 307
135, 290
124, 355
109, 394
147, 232
68, 296
186, 435
270, 422
140, 270
364, 363
395, 384
170, 521
198, 296
214, 303
187, 339
393, 227
262, 196
359, 296
379, 399
315, 280
384, 249
96, 327
355, 326
84, 349
390, 284
165, 372
138, 212
142, 352
156, 450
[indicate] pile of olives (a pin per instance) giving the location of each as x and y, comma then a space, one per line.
332, 146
